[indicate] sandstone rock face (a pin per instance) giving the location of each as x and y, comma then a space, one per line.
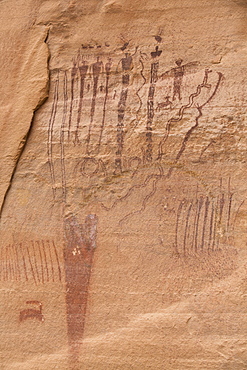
123, 185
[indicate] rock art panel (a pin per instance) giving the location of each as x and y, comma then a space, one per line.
123, 241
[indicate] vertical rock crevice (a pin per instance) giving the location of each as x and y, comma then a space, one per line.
39, 80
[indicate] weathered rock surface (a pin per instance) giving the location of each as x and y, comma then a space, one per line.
123, 185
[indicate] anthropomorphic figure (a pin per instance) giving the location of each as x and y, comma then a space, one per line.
177, 73
96, 68
148, 153
83, 69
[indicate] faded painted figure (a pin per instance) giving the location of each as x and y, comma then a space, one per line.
177, 73
80, 243
127, 66
32, 313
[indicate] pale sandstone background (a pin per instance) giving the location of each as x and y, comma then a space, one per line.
159, 296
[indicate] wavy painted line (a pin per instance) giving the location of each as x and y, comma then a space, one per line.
215, 90
137, 92
180, 116
199, 108
189, 105
188, 134
143, 185
144, 203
